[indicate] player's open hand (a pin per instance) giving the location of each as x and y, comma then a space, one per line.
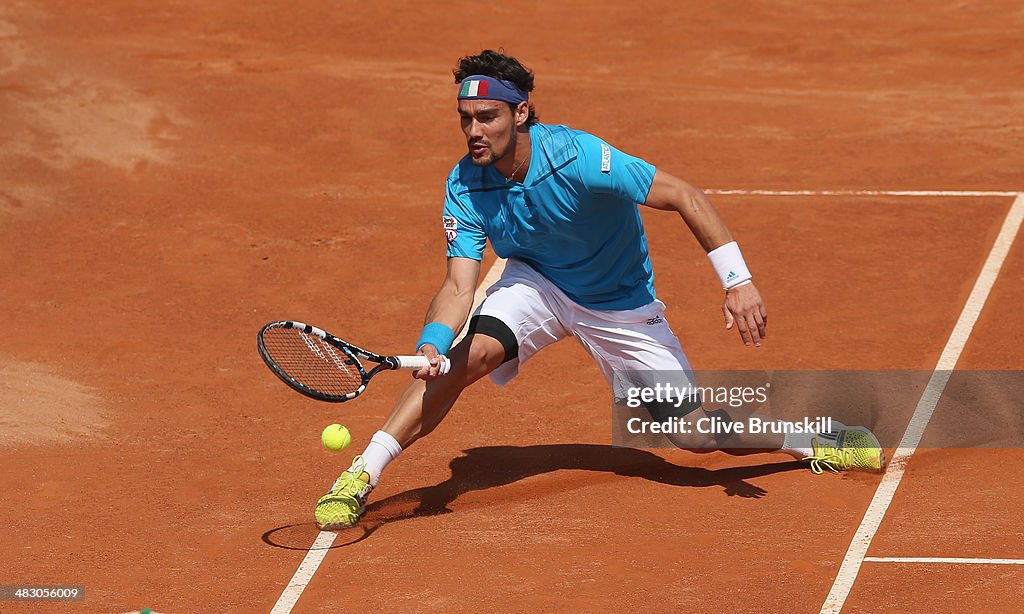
436, 360
744, 308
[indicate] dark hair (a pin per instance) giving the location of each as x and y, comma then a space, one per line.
500, 66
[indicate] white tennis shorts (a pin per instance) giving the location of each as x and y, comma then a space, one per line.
633, 341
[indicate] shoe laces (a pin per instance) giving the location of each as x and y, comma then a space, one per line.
349, 481
833, 459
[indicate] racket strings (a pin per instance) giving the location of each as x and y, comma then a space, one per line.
313, 362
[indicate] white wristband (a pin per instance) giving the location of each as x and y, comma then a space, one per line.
728, 263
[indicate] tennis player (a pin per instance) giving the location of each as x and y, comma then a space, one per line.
561, 206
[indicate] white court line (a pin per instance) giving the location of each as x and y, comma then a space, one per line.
923, 413
859, 193
322, 545
955, 561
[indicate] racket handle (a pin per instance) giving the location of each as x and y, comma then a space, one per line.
418, 362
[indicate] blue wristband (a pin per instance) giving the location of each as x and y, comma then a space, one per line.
437, 335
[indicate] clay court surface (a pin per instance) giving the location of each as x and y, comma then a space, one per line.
174, 175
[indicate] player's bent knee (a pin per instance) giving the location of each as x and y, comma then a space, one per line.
485, 354
492, 342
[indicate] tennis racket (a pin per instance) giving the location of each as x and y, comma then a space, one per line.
319, 365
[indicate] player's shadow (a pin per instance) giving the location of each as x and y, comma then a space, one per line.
493, 466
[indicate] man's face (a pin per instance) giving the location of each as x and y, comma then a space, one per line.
490, 129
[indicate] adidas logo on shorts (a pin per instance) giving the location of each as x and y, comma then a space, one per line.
655, 320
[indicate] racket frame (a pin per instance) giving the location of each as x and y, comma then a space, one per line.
353, 352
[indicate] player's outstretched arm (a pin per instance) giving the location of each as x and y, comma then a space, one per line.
743, 306
670, 193
450, 307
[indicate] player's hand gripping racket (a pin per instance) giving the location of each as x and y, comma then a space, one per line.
321, 366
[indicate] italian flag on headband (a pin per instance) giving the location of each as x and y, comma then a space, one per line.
474, 88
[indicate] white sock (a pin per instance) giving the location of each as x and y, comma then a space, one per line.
382, 449
799, 445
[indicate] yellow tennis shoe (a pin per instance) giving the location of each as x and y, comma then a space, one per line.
342, 506
852, 448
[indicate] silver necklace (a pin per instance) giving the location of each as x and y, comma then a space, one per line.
513, 175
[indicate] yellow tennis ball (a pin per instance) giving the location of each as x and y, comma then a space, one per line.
336, 437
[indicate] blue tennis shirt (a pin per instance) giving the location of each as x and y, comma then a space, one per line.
574, 218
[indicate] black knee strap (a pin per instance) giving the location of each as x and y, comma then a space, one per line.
498, 330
